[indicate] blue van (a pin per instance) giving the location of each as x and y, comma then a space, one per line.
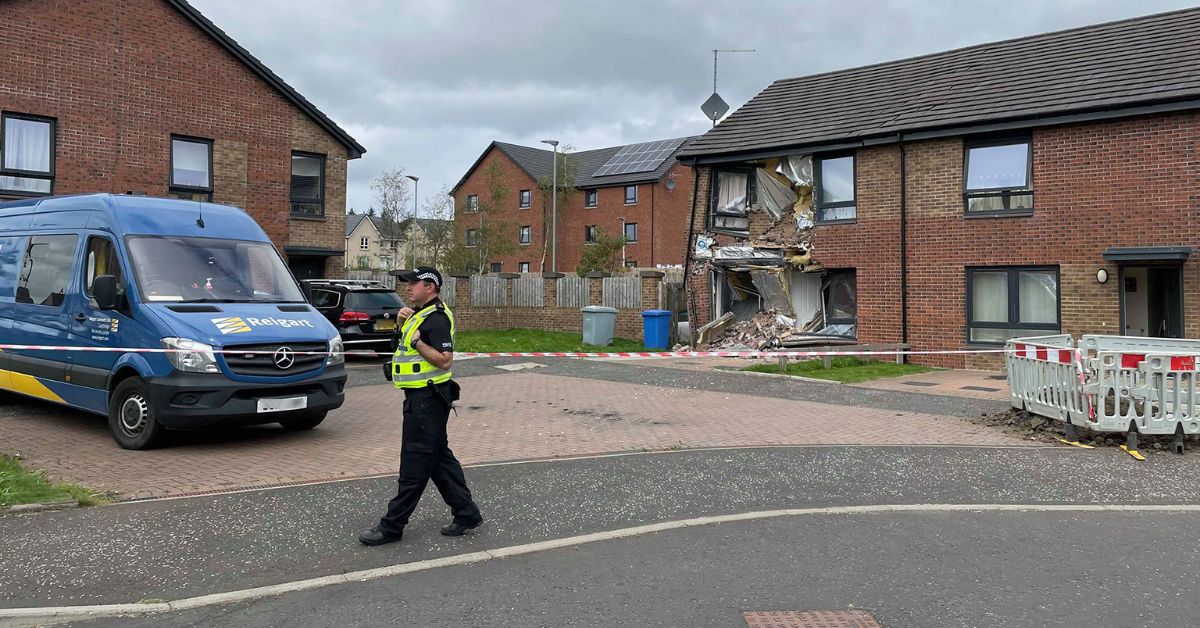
199, 280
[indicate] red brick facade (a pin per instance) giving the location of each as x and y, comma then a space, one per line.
658, 213
1127, 183
119, 78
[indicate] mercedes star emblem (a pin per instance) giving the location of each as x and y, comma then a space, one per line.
285, 358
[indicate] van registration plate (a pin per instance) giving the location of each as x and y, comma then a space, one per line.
282, 404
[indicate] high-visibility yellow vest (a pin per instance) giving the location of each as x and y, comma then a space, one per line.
409, 369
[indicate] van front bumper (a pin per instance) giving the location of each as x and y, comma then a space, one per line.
185, 401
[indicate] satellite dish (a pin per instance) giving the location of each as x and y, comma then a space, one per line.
714, 107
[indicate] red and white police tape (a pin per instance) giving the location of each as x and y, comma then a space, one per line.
528, 354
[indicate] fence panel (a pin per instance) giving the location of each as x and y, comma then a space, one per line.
528, 291
488, 291
449, 285
573, 291
623, 292
381, 276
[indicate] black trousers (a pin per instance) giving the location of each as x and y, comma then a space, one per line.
425, 455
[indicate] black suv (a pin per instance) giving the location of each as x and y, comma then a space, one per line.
364, 312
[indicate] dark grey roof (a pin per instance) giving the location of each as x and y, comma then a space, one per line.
1101, 68
538, 163
426, 223
352, 221
241, 54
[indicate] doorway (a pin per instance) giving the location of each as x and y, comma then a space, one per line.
1152, 301
305, 267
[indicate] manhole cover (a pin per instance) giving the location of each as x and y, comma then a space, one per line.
920, 383
981, 388
810, 619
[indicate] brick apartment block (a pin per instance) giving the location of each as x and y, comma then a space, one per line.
658, 190
135, 96
1043, 185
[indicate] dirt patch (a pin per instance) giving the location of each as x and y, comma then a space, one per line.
1032, 427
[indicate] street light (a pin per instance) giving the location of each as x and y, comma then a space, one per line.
412, 254
553, 207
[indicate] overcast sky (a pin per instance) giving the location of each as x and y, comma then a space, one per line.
426, 85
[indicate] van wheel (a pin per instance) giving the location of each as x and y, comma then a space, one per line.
131, 417
304, 422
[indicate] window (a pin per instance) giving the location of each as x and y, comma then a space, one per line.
1004, 303
101, 260
308, 184
631, 232
325, 299
523, 267
472, 237
46, 270
472, 203
835, 189
526, 199
364, 243
495, 267
589, 198
524, 237
629, 263
730, 198
26, 154
998, 177
631, 195
841, 303
191, 168
590, 234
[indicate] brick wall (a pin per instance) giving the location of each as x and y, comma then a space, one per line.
1127, 183
121, 77
550, 317
658, 213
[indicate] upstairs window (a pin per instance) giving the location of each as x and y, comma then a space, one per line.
26, 155
524, 235
631, 195
308, 184
472, 203
730, 199
590, 198
591, 234
631, 232
364, 243
526, 199
835, 189
472, 238
999, 177
191, 168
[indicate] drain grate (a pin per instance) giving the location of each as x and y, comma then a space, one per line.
920, 383
980, 389
810, 619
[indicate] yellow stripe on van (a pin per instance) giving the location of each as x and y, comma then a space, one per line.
27, 385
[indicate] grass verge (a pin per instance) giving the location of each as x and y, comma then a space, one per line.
533, 340
847, 370
19, 485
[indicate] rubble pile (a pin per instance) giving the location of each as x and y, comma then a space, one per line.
768, 329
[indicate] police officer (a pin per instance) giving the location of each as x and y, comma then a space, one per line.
421, 368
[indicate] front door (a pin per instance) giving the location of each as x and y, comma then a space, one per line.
1152, 301
307, 267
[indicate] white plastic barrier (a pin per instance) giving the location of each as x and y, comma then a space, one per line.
1109, 383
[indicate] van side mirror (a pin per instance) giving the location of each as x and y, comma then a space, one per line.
104, 288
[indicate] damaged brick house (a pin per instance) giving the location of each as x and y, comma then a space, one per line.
1042, 185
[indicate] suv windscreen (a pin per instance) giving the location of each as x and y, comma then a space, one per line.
209, 269
385, 300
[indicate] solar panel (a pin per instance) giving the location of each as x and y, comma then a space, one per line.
642, 157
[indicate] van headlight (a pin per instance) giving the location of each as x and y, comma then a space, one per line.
190, 356
336, 351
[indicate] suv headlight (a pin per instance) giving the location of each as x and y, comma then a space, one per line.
336, 351
191, 356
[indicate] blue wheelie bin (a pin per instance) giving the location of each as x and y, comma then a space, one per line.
656, 328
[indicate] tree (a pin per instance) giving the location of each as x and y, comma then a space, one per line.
394, 199
493, 238
603, 256
568, 170
438, 228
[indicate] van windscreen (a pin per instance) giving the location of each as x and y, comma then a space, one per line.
208, 269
